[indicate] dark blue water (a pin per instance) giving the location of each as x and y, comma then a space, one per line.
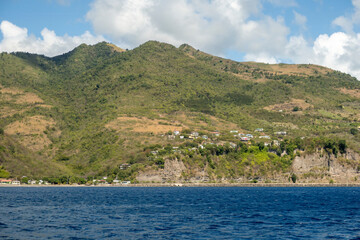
179, 213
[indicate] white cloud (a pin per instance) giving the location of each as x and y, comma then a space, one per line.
339, 51
347, 22
261, 57
214, 26
17, 39
300, 20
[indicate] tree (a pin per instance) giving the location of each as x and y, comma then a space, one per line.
342, 146
295, 109
4, 173
261, 146
25, 180
293, 178
354, 131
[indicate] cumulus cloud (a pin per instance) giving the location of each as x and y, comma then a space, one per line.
347, 22
17, 39
214, 26
339, 51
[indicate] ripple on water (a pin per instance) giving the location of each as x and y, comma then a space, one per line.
179, 213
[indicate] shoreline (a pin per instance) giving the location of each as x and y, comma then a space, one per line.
196, 185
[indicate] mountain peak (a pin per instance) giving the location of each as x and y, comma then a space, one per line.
186, 48
115, 48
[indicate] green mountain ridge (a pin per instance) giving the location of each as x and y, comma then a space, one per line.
86, 112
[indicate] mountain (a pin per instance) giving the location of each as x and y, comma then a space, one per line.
101, 110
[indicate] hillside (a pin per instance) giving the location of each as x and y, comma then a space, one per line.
102, 111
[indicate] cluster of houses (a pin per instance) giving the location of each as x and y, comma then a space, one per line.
17, 182
104, 181
9, 182
242, 136
193, 135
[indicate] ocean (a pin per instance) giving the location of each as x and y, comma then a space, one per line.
179, 213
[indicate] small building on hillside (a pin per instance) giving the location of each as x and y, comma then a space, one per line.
216, 133
244, 139
249, 136
116, 182
15, 182
266, 137
232, 145
126, 165
194, 134
5, 181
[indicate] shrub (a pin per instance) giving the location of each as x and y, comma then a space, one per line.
4, 173
295, 109
354, 131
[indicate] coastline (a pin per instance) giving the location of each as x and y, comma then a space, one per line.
195, 185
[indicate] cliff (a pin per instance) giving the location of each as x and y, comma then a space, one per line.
323, 167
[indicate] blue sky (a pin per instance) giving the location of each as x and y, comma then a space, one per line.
324, 32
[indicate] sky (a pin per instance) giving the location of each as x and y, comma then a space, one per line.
323, 32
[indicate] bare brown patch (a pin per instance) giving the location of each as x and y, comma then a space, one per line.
170, 122
289, 106
299, 69
29, 125
12, 91
20, 97
8, 112
258, 72
351, 92
30, 131
142, 125
115, 48
6, 98
28, 98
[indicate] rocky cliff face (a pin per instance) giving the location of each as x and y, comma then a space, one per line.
171, 173
324, 167
319, 167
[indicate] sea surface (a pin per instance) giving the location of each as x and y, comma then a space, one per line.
179, 213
